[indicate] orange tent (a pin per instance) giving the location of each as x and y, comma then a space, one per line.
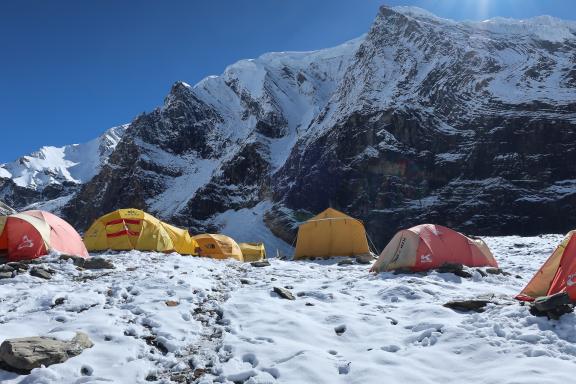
31, 234
428, 246
558, 273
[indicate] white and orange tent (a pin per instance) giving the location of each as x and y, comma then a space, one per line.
31, 234
558, 274
428, 246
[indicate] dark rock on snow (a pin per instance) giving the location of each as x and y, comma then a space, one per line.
98, 263
552, 306
41, 273
476, 305
260, 264
284, 293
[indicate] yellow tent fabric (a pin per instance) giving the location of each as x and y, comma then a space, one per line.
331, 233
253, 251
127, 229
218, 246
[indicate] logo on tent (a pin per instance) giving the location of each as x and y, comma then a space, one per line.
571, 280
26, 243
426, 258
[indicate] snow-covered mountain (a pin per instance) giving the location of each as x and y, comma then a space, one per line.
58, 169
423, 119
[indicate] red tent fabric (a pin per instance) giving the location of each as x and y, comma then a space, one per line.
428, 246
558, 274
31, 234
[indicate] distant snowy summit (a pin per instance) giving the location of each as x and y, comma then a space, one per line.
422, 119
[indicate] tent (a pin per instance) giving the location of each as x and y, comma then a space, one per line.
428, 246
127, 229
218, 247
31, 234
331, 233
253, 251
557, 274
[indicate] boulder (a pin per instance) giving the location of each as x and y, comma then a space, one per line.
41, 273
98, 263
476, 305
455, 268
552, 306
18, 266
24, 354
264, 263
77, 260
364, 259
6, 275
345, 262
284, 293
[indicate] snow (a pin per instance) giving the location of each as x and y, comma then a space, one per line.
345, 326
543, 27
247, 225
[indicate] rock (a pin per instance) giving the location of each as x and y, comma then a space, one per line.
552, 306
172, 303
476, 305
497, 271
98, 263
455, 268
41, 273
364, 259
6, 268
284, 293
18, 266
6, 275
308, 304
24, 354
58, 301
245, 281
481, 272
345, 262
259, 264
76, 260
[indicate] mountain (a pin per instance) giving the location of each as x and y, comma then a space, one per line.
51, 175
423, 119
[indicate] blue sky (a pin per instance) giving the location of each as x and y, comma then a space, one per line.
71, 69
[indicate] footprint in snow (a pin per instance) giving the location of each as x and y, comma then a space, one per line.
251, 359
344, 367
340, 329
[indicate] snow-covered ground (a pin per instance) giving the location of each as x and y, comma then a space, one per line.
229, 327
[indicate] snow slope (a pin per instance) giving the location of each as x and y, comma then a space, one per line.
230, 328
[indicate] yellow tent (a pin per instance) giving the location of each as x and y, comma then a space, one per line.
253, 251
218, 246
127, 229
331, 233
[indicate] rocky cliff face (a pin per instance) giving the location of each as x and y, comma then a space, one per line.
470, 125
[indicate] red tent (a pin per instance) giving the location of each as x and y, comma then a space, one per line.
31, 234
558, 274
428, 246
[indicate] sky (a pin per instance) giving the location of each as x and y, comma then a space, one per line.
69, 70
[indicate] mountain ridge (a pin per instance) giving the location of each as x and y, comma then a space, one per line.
420, 116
